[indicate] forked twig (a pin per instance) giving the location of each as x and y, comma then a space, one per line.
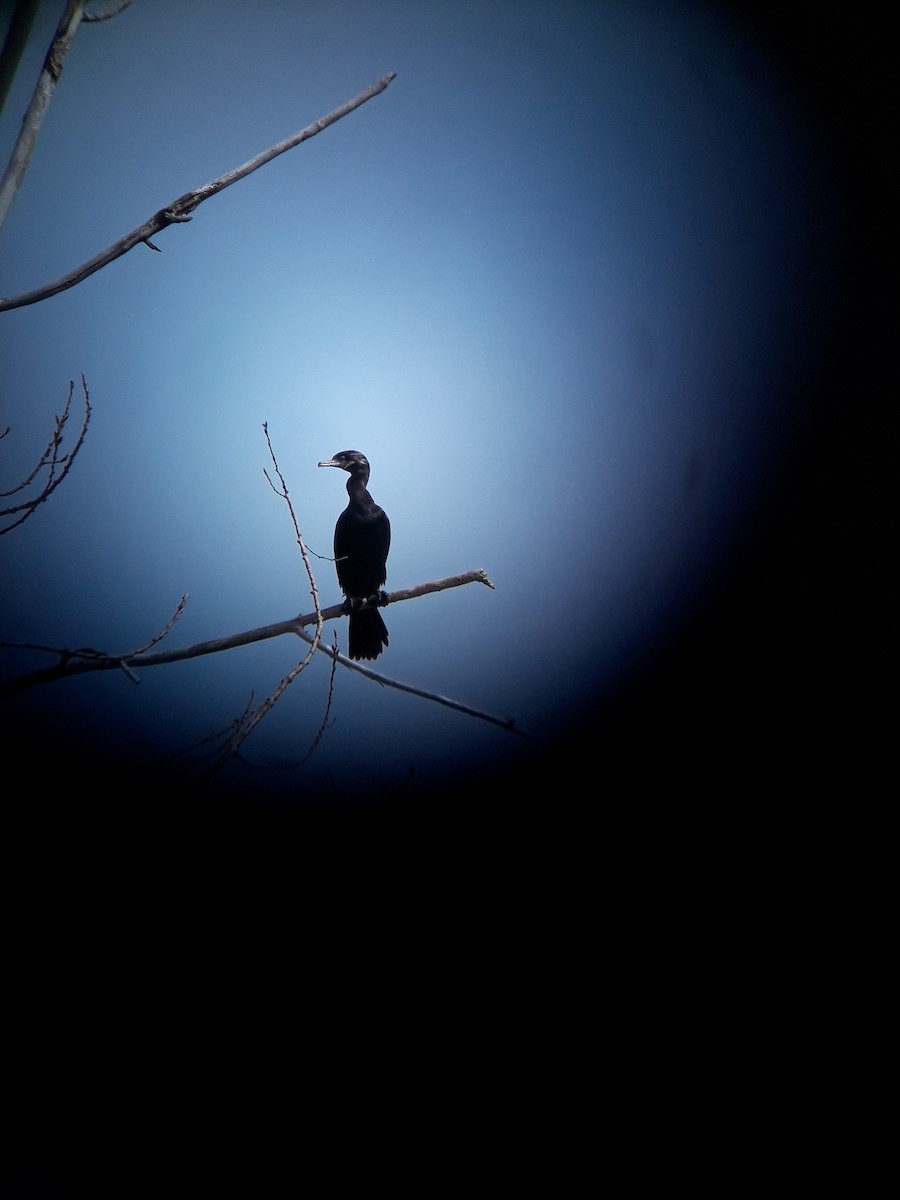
87, 657
57, 465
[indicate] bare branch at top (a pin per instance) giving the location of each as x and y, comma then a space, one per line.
37, 108
180, 210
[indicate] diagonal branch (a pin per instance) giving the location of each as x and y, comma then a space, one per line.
70, 664
180, 210
37, 108
14, 44
324, 725
385, 681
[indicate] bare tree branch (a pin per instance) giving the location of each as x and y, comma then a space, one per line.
213, 737
16, 38
180, 210
72, 664
109, 12
40, 102
56, 464
89, 654
246, 726
182, 604
508, 724
250, 720
283, 493
78, 662
324, 724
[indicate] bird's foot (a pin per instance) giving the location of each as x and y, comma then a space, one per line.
355, 603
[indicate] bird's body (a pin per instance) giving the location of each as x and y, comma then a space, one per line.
362, 538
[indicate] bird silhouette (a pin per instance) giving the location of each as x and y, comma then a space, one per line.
362, 538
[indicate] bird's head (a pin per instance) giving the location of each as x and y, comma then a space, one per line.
348, 460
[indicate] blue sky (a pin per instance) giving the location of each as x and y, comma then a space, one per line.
558, 282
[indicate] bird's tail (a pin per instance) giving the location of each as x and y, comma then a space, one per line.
368, 633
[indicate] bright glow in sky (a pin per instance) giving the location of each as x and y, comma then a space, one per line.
555, 283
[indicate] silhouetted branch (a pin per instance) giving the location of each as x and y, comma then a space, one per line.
283, 493
324, 725
57, 465
73, 663
37, 108
250, 720
246, 726
213, 737
182, 604
180, 210
508, 723
14, 43
87, 654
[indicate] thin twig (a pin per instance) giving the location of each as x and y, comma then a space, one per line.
180, 210
58, 464
85, 654
325, 722
248, 723
324, 725
247, 726
283, 493
182, 603
213, 737
504, 723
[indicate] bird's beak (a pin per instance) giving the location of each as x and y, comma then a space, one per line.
329, 462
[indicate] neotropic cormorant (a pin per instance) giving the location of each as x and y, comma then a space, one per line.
362, 538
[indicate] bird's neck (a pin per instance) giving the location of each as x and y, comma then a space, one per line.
356, 486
